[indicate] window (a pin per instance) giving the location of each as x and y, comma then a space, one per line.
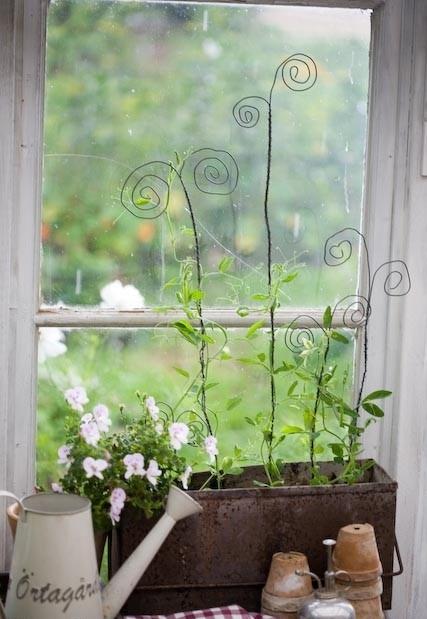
114, 119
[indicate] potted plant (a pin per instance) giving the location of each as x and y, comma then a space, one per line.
133, 464
252, 512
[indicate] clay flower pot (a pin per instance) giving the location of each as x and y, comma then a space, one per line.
356, 552
12, 517
285, 592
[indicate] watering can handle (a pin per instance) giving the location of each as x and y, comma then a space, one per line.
10, 495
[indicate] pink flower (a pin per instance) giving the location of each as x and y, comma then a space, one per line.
118, 497
152, 408
153, 472
102, 417
117, 500
134, 465
115, 514
56, 487
94, 468
178, 433
76, 398
64, 454
210, 444
90, 432
185, 477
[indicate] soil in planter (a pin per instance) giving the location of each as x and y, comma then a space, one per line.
294, 474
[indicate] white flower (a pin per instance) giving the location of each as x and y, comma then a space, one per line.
152, 408
56, 487
178, 433
94, 468
134, 465
115, 514
51, 343
102, 417
212, 49
185, 477
153, 472
90, 432
115, 295
210, 444
118, 497
117, 500
64, 454
159, 427
76, 398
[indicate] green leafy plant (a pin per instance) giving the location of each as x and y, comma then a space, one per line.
328, 415
135, 464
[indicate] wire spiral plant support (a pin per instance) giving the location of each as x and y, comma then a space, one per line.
396, 281
299, 73
146, 193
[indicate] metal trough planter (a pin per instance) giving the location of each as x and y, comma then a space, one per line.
222, 556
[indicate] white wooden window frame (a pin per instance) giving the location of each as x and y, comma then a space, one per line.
395, 224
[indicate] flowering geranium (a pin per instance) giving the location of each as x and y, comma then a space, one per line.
135, 464
210, 445
178, 433
76, 397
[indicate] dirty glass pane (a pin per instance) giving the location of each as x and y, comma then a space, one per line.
129, 83
112, 365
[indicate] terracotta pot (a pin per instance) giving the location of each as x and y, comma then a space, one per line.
100, 536
365, 598
368, 609
356, 552
12, 517
285, 592
282, 580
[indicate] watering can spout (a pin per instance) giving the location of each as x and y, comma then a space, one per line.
179, 506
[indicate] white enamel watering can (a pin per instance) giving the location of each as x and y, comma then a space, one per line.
54, 570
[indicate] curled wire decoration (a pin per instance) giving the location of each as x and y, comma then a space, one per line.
196, 426
397, 281
341, 245
296, 336
299, 72
247, 113
338, 250
357, 310
145, 193
215, 172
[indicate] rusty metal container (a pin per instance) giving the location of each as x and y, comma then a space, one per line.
223, 556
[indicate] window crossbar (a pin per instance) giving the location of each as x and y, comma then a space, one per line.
102, 318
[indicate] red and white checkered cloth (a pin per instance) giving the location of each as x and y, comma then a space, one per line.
226, 612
